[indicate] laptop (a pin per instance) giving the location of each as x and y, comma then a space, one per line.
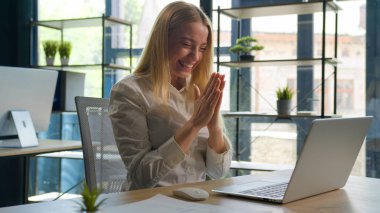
325, 163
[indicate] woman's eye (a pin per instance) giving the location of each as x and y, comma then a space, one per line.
202, 49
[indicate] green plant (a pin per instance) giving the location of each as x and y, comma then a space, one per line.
284, 93
50, 48
89, 199
245, 45
64, 49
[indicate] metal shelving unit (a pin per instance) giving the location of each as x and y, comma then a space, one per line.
298, 8
115, 61
104, 22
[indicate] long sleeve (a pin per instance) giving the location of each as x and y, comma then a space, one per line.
218, 165
144, 131
145, 165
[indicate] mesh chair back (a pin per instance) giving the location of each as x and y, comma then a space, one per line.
104, 167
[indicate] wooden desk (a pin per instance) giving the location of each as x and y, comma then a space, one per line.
14, 186
359, 195
44, 146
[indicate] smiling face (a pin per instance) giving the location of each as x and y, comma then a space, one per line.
187, 44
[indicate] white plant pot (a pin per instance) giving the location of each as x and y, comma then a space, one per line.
65, 61
50, 61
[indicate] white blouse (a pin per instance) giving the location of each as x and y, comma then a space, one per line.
144, 131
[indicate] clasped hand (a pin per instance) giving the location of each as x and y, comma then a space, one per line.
207, 104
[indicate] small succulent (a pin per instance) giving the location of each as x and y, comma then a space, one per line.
245, 45
50, 48
90, 201
64, 49
284, 93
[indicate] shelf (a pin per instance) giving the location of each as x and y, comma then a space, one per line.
64, 154
85, 66
51, 196
108, 69
82, 22
279, 9
254, 166
284, 62
252, 114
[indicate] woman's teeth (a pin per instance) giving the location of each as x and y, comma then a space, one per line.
187, 65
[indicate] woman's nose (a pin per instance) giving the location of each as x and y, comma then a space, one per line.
195, 54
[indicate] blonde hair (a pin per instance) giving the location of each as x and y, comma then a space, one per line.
154, 62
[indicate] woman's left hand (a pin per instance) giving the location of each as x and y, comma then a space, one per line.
214, 124
216, 139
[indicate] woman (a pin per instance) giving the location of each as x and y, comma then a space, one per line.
166, 116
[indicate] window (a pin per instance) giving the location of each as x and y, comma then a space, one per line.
279, 37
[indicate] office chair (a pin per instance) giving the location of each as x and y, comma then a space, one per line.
104, 167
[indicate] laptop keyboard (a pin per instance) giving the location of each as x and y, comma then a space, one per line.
272, 191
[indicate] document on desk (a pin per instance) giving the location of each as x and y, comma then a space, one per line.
164, 204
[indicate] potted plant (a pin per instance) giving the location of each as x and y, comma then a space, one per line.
284, 100
244, 47
90, 202
50, 49
64, 50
